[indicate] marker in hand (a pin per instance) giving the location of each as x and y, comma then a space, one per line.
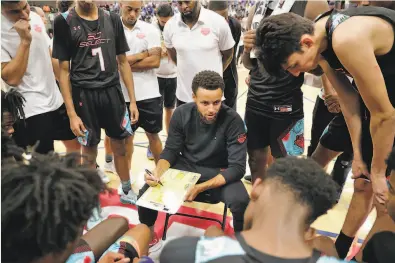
153, 177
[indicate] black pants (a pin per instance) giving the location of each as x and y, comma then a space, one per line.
234, 195
321, 119
230, 93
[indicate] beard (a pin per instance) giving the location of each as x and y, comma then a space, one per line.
187, 17
206, 121
130, 22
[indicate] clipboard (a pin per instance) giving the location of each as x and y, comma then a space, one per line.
169, 197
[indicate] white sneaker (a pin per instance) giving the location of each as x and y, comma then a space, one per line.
109, 167
132, 181
130, 198
103, 175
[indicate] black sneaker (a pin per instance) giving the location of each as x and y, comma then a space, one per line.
248, 178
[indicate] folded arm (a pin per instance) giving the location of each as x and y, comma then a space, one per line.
13, 71
151, 61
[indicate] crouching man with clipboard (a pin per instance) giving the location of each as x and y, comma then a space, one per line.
208, 138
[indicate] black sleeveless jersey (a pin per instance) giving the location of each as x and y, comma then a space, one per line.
91, 46
279, 96
386, 62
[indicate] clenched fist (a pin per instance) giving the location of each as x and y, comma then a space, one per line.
23, 28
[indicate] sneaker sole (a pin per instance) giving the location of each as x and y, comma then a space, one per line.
127, 202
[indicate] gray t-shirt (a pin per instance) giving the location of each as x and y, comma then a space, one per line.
226, 250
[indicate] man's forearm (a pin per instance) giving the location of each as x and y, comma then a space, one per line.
132, 59
350, 105
247, 61
161, 167
65, 89
147, 63
382, 129
126, 74
213, 183
13, 72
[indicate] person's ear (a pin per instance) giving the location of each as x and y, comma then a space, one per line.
307, 41
194, 97
255, 193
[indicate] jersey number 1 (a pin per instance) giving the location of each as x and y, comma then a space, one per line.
96, 51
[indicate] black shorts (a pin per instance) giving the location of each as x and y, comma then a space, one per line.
83, 250
285, 137
102, 109
43, 128
150, 115
336, 136
167, 88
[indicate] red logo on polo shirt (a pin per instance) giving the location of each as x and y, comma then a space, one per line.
205, 31
242, 138
141, 35
38, 28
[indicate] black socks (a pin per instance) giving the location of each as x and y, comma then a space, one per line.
343, 244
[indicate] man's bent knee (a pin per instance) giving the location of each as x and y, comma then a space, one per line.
152, 136
118, 147
362, 185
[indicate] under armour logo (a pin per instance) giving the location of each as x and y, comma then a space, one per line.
76, 27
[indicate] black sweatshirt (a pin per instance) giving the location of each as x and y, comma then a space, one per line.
218, 145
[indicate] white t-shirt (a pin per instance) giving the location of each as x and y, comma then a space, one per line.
167, 68
143, 36
38, 85
198, 48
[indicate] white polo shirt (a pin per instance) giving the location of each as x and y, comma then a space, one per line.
142, 37
167, 68
38, 85
198, 48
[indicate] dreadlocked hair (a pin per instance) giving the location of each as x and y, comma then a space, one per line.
12, 102
391, 160
278, 37
45, 203
8, 146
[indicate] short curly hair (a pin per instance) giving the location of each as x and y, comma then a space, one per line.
391, 160
209, 80
310, 184
278, 37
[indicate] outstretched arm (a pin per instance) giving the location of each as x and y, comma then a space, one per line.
358, 57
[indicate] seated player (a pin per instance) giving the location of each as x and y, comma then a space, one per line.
273, 231
379, 249
295, 44
208, 138
46, 201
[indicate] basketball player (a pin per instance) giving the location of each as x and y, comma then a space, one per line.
271, 233
369, 60
94, 41
274, 111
